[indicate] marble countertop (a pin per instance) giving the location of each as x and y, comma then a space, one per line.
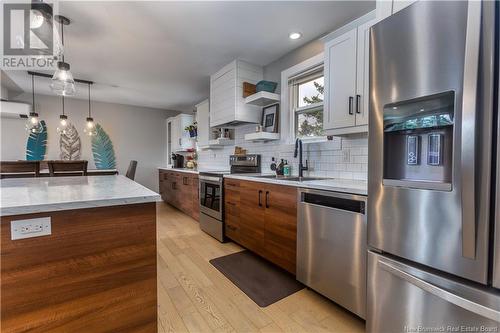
33, 195
186, 170
359, 187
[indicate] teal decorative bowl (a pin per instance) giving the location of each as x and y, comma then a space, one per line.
268, 86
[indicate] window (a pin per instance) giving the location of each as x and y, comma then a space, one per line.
306, 91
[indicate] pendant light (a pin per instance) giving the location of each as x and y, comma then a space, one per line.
63, 83
90, 129
63, 121
33, 122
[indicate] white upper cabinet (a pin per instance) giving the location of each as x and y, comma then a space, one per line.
383, 9
363, 73
178, 137
340, 80
398, 5
203, 120
227, 106
347, 81
386, 8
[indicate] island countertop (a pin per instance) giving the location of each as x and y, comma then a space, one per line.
34, 195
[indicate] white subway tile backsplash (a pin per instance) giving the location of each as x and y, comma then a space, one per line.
326, 159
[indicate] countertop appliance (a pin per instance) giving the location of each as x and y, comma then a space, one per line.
434, 241
331, 246
212, 193
177, 161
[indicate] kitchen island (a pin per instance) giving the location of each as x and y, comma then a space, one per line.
78, 255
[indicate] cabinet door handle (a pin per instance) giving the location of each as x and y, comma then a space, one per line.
173, 186
260, 200
267, 199
358, 104
351, 99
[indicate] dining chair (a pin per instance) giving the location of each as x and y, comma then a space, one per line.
19, 169
68, 168
131, 170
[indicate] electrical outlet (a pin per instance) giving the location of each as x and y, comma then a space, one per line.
346, 156
20, 229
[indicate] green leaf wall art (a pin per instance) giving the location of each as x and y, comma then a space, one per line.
102, 149
36, 146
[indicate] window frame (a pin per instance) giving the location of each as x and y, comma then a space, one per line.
288, 114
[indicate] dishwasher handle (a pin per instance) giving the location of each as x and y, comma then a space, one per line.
337, 202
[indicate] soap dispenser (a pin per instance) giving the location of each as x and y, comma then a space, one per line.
287, 169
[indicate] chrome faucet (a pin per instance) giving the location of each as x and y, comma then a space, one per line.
298, 151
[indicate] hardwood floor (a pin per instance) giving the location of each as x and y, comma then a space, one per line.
193, 296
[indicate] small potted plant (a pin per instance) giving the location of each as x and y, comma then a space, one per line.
192, 129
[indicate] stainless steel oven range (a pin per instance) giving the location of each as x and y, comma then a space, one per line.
212, 193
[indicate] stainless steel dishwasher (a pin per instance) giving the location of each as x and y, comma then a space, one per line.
331, 246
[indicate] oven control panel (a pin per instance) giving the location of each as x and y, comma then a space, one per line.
245, 160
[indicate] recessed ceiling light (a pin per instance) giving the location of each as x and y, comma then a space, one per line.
294, 35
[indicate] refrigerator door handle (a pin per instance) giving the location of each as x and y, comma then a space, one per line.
445, 295
468, 138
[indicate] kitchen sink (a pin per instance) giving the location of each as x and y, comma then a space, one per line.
292, 179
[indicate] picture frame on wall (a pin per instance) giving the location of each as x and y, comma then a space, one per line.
270, 118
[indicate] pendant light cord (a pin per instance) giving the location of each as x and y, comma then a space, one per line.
62, 37
63, 104
89, 101
33, 90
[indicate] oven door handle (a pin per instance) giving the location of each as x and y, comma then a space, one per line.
202, 181
211, 179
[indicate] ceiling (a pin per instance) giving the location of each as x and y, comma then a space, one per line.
161, 54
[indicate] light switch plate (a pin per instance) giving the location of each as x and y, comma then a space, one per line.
20, 229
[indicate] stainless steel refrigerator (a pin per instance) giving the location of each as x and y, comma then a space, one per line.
434, 181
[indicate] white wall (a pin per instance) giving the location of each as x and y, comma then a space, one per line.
4, 93
137, 133
345, 158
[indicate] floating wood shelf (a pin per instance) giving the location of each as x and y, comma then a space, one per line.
262, 136
262, 98
221, 142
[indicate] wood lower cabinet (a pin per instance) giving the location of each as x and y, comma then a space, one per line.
180, 189
263, 218
195, 197
162, 187
280, 238
252, 216
232, 209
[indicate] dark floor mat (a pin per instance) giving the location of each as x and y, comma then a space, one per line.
262, 281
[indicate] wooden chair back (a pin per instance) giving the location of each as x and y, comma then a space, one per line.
67, 168
19, 169
131, 170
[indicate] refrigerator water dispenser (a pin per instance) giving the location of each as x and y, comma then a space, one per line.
418, 142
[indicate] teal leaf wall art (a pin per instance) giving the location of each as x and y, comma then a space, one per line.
102, 149
36, 146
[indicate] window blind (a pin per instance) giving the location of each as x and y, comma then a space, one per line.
306, 76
